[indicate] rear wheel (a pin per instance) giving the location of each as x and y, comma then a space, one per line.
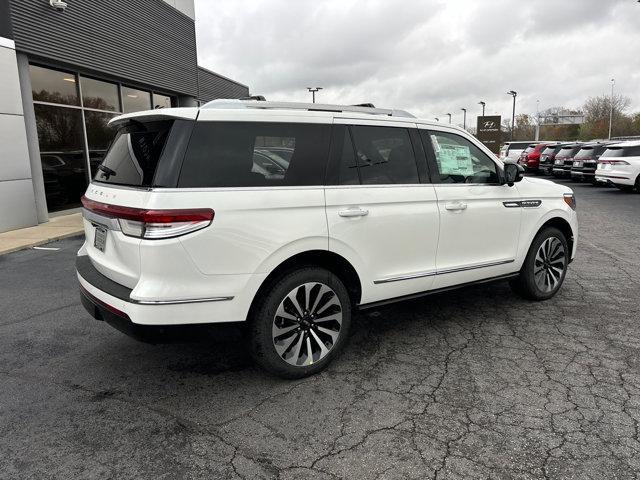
545, 266
626, 188
300, 325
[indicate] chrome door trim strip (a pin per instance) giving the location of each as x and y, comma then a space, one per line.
179, 302
431, 273
474, 267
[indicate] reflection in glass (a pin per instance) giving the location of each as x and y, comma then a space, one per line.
161, 101
135, 100
53, 86
99, 95
62, 155
99, 137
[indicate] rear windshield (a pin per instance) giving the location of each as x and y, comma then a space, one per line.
133, 156
253, 154
518, 145
567, 151
585, 152
550, 150
622, 152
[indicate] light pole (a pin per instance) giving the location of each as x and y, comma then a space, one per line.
313, 91
483, 105
537, 120
613, 82
449, 116
514, 94
464, 118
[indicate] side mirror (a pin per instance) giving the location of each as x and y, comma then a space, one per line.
512, 173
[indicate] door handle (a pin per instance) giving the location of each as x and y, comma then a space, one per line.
455, 206
353, 212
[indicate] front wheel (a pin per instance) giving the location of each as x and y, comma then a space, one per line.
301, 323
545, 266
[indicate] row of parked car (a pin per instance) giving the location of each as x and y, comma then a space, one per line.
599, 162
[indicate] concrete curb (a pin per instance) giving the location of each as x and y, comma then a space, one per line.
41, 242
58, 228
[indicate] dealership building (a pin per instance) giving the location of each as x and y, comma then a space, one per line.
66, 70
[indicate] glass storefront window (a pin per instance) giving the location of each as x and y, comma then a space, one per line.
135, 100
99, 95
53, 86
62, 154
161, 101
99, 137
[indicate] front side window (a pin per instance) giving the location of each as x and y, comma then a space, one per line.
384, 155
253, 154
457, 160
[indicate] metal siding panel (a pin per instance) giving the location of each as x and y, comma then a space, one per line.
213, 86
144, 41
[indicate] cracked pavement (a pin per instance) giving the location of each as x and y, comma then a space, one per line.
474, 383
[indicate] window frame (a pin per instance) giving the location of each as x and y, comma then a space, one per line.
425, 136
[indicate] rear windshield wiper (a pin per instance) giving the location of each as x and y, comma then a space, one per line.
108, 172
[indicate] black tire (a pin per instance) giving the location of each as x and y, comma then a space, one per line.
327, 289
527, 284
625, 188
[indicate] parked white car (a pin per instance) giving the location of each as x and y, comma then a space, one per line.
619, 165
510, 151
362, 207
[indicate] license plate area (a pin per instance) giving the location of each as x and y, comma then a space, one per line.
100, 238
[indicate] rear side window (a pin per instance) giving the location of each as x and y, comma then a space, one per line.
132, 158
384, 155
622, 152
253, 154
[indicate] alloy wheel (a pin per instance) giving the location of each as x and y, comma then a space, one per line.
549, 264
307, 324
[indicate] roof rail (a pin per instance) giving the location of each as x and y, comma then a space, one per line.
312, 107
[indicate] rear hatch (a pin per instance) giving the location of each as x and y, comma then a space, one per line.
143, 154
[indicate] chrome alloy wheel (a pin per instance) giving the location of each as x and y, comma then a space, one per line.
307, 324
549, 264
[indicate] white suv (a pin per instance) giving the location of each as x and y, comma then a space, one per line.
620, 165
291, 216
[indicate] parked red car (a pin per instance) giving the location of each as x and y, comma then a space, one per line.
530, 157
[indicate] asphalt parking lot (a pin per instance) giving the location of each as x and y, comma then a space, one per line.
474, 383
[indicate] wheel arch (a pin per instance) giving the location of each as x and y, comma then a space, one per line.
564, 226
331, 261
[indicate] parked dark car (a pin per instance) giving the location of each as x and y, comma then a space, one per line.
564, 160
586, 161
548, 156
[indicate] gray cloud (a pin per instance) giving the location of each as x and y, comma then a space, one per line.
427, 56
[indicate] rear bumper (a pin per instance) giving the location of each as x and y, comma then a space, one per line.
615, 178
107, 300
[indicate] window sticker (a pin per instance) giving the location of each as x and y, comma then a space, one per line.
455, 160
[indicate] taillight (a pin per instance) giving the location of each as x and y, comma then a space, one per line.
614, 162
153, 224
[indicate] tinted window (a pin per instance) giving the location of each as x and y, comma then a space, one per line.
133, 156
62, 154
457, 160
384, 155
99, 95
518, 145
53, 86
135, 100
585, 152
622, 152
234, 154
565, 152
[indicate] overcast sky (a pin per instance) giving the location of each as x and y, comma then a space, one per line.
430, 57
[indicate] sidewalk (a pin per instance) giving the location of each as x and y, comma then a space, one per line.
56, 228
